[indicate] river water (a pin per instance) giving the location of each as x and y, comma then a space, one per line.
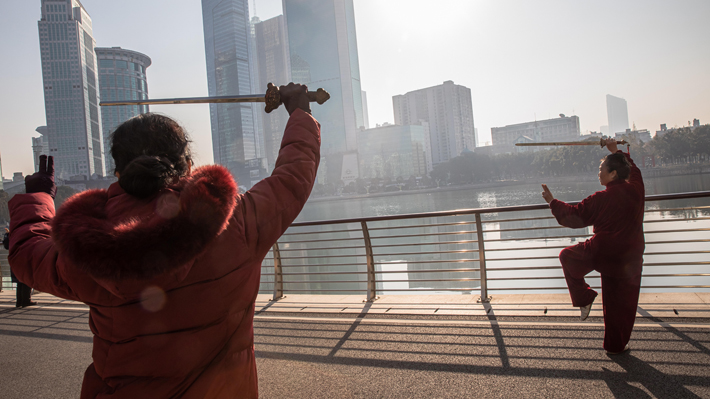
421, 259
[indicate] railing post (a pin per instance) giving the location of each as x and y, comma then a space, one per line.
371, 284
482, 260
278, 276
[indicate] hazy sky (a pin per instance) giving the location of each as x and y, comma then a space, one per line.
521, 59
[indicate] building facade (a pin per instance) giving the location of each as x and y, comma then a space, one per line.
2, 187
40, 145
122, 76
448, 110
323, 49
230, 55
617, 114
564, 128
71, 94
393, 151
274, 67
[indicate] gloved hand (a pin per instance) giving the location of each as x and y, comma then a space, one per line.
42, 181
6, 239
294, 96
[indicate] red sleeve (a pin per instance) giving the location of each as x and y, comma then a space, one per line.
576, 216
635, 177
33, 255
274, 203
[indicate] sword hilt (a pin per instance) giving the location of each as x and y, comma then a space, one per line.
273, 97
603, 144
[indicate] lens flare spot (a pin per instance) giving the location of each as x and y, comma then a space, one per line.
168, 206
153, 298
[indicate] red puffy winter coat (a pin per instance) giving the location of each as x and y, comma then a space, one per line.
171, 280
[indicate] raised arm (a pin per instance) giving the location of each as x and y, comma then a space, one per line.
273, 204
33, 255
635, 178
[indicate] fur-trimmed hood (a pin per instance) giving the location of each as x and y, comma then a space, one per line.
117, 246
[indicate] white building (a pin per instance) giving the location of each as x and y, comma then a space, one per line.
71, 94
393, 151
448, 110
617, 114
564, 128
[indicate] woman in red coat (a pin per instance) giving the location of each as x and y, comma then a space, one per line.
615, 250
168, 259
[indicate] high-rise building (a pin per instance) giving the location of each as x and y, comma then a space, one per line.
71, 94
449, 111
365, 114
617, 114
323, 46
1, 177
274, 67
40, 145
393, 151
564, 128
229, 55
122, 76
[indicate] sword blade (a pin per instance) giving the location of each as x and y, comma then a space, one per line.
558, 143
250, 98
599, 143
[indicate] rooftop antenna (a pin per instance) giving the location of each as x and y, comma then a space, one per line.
254, 6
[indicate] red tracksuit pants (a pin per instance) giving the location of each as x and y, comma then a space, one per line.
620, 296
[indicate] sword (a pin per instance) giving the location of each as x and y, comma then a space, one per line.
272, 98
601, 143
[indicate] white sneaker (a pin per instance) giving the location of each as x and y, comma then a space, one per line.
585, 311
626, 348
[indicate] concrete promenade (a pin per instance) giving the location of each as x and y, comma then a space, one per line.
443, 346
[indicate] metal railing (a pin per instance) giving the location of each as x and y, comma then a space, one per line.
469, 251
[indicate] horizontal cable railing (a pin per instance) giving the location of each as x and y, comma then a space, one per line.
477, 251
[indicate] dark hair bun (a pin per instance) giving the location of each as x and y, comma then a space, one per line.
146, 175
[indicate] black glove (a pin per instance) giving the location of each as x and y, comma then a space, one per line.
42, 181
6, 239
294, 96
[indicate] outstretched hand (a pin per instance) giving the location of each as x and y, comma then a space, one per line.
610, 144
295, 96
547, 194
43, 180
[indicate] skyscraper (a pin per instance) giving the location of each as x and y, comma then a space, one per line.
71, 96
448, 110
1, 178
122, 76
323, 47
617, 114
40, 145
274, 67
229, 53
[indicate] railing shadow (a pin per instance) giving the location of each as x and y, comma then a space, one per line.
546, 352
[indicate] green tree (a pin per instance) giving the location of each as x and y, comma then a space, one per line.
63, 193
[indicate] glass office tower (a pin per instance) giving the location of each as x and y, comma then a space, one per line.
122, 76
617, 114
323, 46
274, 67
71, 96
228, 51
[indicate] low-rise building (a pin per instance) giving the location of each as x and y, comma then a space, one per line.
564, 128
393, 151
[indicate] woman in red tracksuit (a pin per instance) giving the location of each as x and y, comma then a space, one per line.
615, 250
168, 258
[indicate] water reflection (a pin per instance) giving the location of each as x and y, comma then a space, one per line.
441, 254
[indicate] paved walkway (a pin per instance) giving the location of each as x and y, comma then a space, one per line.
406, 347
